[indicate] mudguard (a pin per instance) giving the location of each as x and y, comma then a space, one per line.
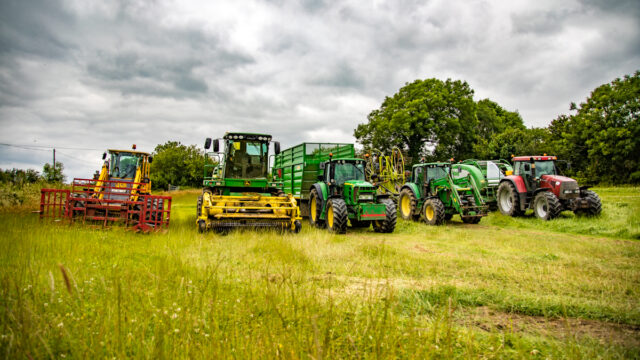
413, 187
321, 188
517, 182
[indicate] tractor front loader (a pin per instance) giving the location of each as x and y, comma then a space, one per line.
238, 190
119, 193
438, 191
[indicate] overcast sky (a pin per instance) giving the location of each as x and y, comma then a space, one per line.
99, 74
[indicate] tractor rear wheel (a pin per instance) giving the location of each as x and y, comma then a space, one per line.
337, 216
508, 199
595, 205
315, 209
433, 212
408, 203
546, 205
389, 223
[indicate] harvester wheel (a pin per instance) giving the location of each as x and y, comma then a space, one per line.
433, 212
508, 199
337, 216
407, 202
389, 223
546, 205
202, 226
471, 219
595, 205
315, 209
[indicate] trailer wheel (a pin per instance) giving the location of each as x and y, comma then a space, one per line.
315, 209
508, 199
389, 223
546, 205
433, 212
337, 216
408, 203
595, 204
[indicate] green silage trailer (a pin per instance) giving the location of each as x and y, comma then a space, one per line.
299, 166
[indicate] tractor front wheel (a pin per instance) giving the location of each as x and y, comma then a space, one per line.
595, 205
408, 203
337, 216
433, 212
315, 209
389, 223
508, 199
546, 205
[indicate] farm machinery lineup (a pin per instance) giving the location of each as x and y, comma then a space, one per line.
437, 191
537, 184
238, 190
329, 181
119, 193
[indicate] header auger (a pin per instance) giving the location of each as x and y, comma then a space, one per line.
238, 190
119, 193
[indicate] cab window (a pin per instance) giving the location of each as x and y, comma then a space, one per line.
124, 165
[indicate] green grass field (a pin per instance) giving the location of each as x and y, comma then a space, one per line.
505, 288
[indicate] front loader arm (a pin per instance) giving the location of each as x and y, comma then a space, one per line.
104, 176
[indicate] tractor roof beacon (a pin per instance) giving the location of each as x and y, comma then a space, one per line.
238, 189
538, 184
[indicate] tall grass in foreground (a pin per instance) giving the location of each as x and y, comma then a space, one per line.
79, 292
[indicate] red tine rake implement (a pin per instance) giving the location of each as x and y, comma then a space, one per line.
107, 202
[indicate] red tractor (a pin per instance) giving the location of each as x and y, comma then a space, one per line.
537, 184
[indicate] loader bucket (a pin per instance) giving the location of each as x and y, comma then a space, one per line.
106, 203
221, 212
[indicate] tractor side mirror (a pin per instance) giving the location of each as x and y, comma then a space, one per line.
322, 165
207, 144
150, 159
527, 167
216, 145
104, 156
276, 147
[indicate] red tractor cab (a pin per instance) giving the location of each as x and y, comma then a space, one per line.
537, 184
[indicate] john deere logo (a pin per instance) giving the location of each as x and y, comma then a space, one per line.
247, 183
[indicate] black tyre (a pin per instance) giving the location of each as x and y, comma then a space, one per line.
389, 223
297, 226
337, 216
508, 199
407, 204
360, 224
433, 212
202, 226
546, 205
595, 204
471, 219
315, 209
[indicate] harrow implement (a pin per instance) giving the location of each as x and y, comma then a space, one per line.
106, 202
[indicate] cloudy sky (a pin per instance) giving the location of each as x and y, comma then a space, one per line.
85, 75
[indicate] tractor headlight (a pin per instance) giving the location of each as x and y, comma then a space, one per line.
365, 197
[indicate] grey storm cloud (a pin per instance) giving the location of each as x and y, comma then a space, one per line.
95, 74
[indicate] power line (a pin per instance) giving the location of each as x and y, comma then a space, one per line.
75, 158
38, 147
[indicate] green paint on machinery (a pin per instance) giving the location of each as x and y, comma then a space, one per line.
238, 189
492, 171
437, 191
329, 181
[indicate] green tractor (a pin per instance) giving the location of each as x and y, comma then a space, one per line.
437, 191
332, 190
238, 189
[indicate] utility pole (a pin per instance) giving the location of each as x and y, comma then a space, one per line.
54, 162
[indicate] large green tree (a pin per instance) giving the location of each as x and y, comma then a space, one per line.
177, 164
493, 120
53, 174
431, 119
602, 139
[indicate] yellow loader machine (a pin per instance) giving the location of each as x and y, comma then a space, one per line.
120, 192
238, 189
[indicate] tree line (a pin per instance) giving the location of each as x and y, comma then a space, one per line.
435, 120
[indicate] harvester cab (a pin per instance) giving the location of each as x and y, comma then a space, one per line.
538, 184
437, 191
119, 192
238, 190
343, 194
